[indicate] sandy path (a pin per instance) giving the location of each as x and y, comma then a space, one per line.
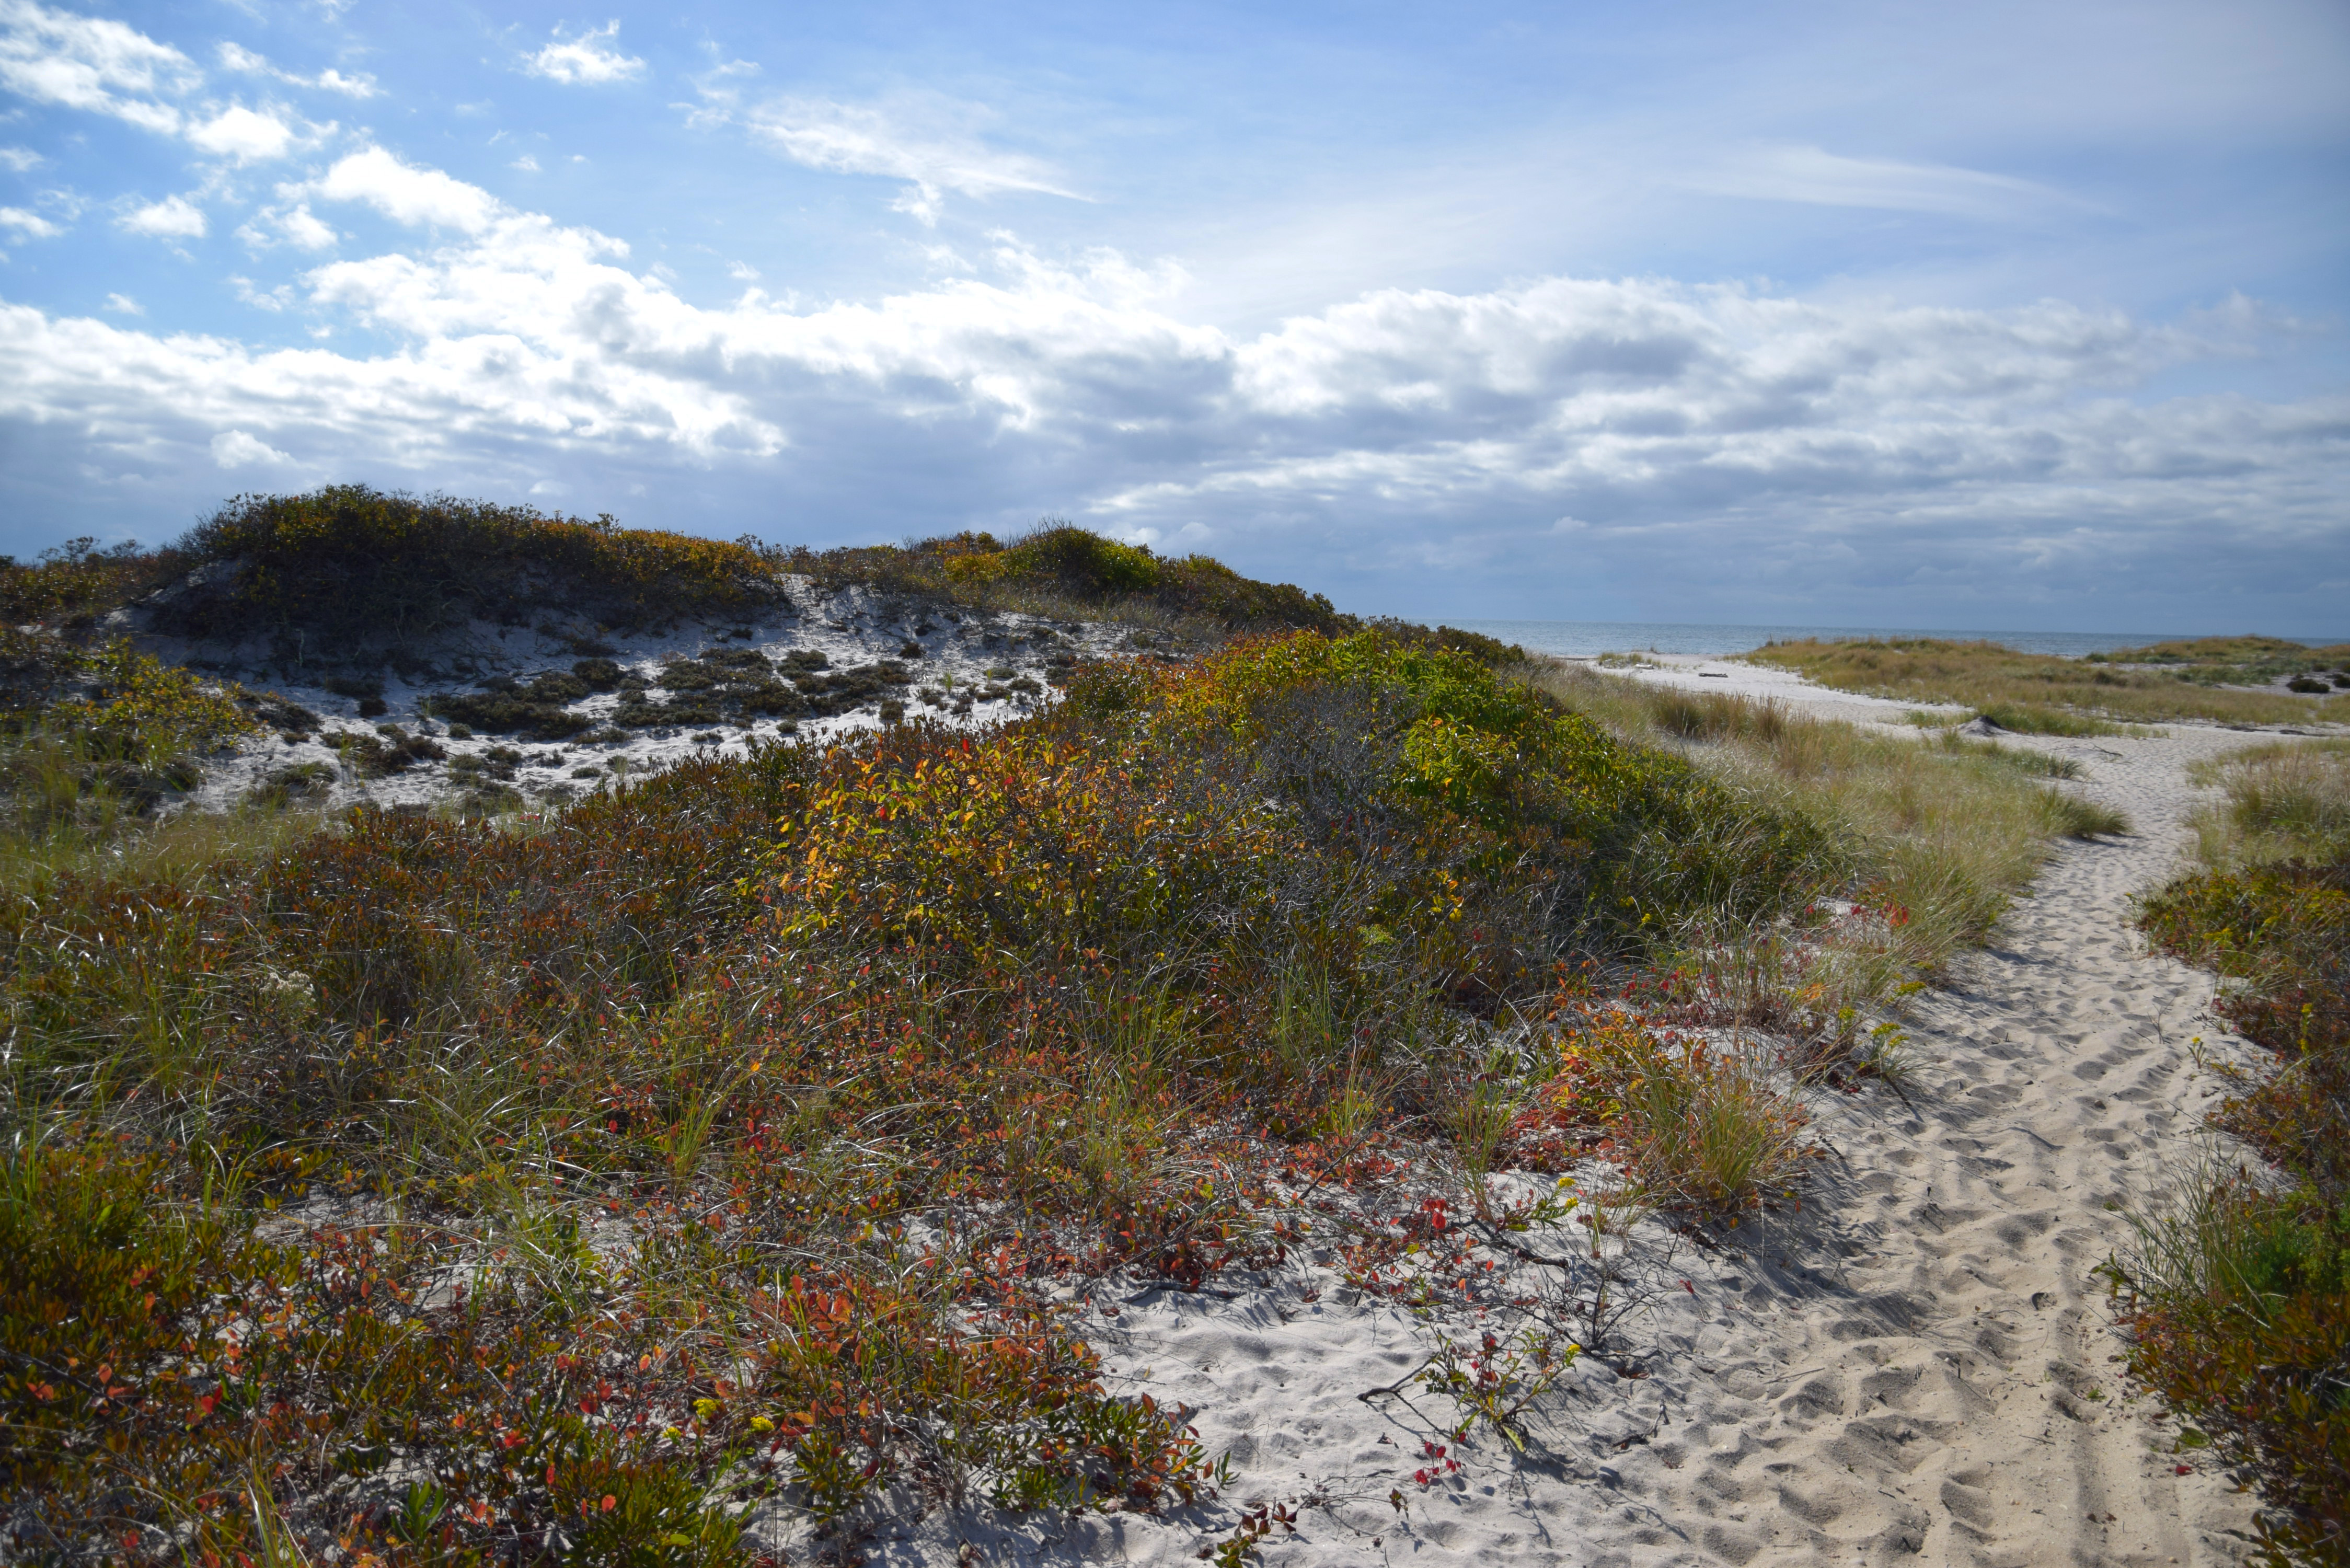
1921, 1368
1959, 1397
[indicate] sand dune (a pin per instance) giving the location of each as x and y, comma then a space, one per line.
1918, 1367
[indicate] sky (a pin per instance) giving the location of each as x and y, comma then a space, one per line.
2024, 316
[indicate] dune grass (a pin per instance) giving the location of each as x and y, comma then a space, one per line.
1936, 837
2238, 1297
2038, 692
2287, 801
2236, 659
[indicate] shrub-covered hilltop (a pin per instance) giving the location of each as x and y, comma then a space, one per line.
690, 1171
350, 576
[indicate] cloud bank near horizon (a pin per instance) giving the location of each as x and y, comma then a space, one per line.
1554, 445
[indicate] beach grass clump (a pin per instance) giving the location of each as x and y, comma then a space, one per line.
1929, 842
2238, 1297
1701, 1125
2279, 802
2044, 694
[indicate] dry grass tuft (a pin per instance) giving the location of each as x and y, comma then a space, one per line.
1938, 835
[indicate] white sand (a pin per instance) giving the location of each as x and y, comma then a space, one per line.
1920, 1366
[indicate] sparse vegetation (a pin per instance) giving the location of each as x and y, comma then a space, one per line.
2239, 1298
849, 1041
2236, 660
2040, 694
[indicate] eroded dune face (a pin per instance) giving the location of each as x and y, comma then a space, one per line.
513, 718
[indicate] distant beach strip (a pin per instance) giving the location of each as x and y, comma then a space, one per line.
1586, 638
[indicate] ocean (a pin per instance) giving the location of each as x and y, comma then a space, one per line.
1582, 639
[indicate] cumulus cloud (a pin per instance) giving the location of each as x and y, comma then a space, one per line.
408, 194
172, 218
1704, 431
237, 448
19, 159
242, 135
27, 225
934, 146
92, 63
583, 60
294, 224
123, 304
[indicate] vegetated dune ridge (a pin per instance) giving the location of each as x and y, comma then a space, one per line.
1918, 1366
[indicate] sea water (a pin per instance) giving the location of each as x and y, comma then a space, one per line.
1583, 639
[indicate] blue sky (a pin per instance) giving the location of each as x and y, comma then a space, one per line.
2000, 316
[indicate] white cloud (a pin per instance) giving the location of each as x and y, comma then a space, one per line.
235, 449
1714, 433
742, 272
302, 229
1785, 172
527, 164
19, 159
934, 145
274, 299
583, 60
242, 135
294, 225
234, 57
27, 225
92, 63
172, 218
123, 304
408, 194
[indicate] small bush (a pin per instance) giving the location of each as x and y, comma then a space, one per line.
77, 579
92, 735
1065, 571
